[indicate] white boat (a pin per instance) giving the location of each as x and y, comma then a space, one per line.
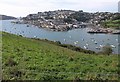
82, 39
101, 46
112, 46
95, 42
116, 39
75, 43
64, 39
85, 47
97, 48
87, 44
35, 36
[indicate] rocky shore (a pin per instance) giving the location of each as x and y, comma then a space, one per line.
103, 30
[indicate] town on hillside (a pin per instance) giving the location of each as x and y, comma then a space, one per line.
64, 20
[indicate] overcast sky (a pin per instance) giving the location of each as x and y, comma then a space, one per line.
24, 7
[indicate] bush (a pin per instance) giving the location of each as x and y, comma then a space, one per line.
107, 50
16, 73
10, 62
58, 42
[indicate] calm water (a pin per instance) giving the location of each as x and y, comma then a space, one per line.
78, 37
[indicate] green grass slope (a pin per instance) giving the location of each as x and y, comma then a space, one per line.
115, 24
29, 59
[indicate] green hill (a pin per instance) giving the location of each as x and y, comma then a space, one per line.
30, 59
113, 23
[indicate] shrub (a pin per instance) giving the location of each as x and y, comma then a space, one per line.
107, 50
16, 73
10, 62
58, 42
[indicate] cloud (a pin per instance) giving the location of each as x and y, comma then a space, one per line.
24, 7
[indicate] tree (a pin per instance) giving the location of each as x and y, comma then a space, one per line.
107, 50
68, 20
80, 16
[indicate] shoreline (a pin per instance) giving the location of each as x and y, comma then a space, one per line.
56, 27
103, 31
67, 46
81, 30
67, 27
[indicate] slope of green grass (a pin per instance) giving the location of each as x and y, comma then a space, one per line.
112, 24
29, 59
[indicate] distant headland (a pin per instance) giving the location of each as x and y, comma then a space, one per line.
5, 17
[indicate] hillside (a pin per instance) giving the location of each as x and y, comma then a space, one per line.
29, 59
113, 23
4, 17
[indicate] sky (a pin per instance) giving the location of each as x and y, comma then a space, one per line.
21, 8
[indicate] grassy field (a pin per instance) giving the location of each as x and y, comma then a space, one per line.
29, 59
112, 24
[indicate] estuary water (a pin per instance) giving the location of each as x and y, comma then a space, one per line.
77, 37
